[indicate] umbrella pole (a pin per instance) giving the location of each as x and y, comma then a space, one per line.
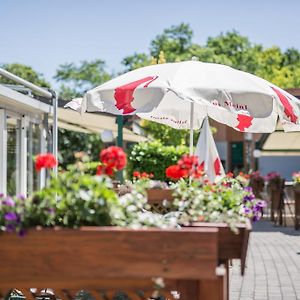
192, 128
191, 133
120, 122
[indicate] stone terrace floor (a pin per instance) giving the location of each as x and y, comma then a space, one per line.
272, 266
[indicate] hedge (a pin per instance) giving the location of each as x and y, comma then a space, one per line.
153, 157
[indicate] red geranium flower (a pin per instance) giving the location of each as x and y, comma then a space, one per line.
46, 160
142, 175
176, 172
136, 174
114, 157
198, 172
103, 169
188, 161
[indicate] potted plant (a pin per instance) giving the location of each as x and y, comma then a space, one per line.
257, 182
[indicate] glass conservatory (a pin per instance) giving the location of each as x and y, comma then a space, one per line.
24, 132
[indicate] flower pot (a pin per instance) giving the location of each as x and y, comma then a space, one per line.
297, 206
158, 195
276, 198
109, 259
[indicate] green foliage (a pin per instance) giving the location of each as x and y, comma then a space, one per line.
70, 142
226, 201
174, 42
82, 199
153, 157
75, 199
24, 72
78, 79
166, 134
136, 61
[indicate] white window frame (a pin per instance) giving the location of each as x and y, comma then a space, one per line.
21, 150
3, 152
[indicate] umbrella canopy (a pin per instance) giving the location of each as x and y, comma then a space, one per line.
163, 93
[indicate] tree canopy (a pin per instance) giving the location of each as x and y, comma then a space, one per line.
76, 79
25, 72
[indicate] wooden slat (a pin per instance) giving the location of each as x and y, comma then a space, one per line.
246, 235
213, 289
80, 258
297, 208
95, 294
230, 244
4, 293
188, 289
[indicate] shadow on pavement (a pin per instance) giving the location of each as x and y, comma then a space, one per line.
268, 226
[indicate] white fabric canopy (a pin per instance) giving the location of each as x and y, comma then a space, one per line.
163, 93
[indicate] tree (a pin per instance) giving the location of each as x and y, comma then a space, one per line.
25, 72
175, 42
77, 79
136, 61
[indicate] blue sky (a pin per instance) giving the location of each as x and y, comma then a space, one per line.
47, 33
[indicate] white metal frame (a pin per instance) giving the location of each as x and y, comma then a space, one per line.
3, 152
48, 94
21, 149
23, 156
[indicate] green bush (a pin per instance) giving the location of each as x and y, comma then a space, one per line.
153, 157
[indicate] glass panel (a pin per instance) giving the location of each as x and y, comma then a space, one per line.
13, 126
33, 148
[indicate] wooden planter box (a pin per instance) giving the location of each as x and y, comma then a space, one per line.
297, 207
158, 195
104, 260
277, 204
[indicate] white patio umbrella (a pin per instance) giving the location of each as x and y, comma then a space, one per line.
182, 94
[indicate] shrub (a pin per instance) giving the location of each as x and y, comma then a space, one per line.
153, 157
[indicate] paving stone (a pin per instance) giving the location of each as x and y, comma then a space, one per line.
272, 266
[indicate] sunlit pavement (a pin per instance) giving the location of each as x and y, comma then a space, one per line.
272, 267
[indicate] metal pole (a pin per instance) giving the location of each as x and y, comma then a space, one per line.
54, 130
120, 176
3, 152
191, 134
26, 83
22, 147
192, 128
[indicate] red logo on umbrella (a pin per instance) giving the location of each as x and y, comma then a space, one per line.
288, 108
124, 94
217, 166
244, 122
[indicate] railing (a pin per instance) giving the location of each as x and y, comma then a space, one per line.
46, 93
